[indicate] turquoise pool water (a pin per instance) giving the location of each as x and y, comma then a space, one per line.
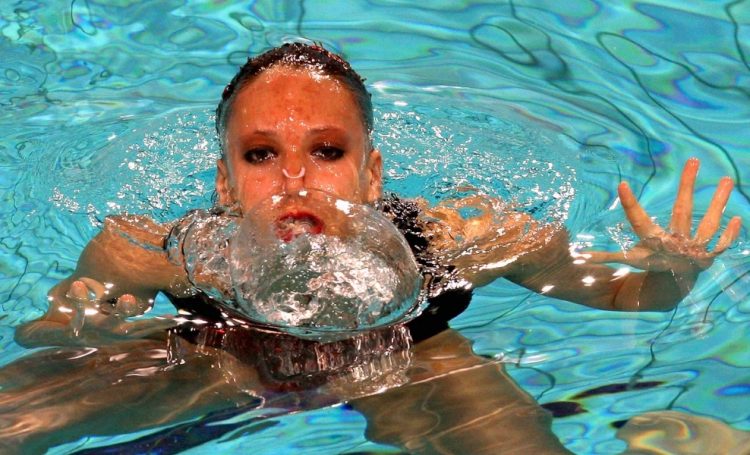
107, 108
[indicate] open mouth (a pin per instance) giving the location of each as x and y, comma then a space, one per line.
293, 224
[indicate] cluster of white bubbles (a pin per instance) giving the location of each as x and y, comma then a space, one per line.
320, 267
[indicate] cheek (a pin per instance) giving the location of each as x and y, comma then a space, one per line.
253, 186
342, 179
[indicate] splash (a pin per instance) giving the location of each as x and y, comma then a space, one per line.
309, 264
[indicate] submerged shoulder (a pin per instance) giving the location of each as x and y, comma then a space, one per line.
130, 248
140, 229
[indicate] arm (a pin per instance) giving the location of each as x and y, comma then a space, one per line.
128, 257
554, 271
539, 257
671, 259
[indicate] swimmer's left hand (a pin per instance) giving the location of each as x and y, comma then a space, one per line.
676, 250
81, 317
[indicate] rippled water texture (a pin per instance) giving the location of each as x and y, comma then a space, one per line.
107, 107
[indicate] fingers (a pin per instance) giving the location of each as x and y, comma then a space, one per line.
78, 291
87, 290
128, 306
682, 214
729, 235
95, 287
642, 224
712, 220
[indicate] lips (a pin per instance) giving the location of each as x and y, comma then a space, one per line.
295, 223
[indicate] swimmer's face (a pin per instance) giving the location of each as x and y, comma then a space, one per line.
292, 129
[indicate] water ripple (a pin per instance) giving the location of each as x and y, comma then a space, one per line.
106, 107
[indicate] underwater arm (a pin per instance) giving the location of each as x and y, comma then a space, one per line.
554, 271
118, 275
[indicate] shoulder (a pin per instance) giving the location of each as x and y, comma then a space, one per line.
139, 229
130, 249
484, 238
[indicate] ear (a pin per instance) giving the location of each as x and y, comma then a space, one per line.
374, 176
223, 187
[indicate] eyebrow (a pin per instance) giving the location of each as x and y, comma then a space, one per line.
328, 129
267, 133
273, 133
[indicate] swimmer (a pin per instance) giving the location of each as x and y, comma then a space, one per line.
298, 117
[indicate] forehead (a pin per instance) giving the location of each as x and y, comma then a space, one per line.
280, 77
297, 92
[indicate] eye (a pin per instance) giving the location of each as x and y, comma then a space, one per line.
328, 153
258, 155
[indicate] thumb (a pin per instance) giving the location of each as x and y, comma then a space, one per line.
78, 295
128, 306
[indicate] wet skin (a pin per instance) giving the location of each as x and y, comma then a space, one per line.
292, 119
453, 402
284, 133
287, 120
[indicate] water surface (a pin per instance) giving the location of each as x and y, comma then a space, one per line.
107, 107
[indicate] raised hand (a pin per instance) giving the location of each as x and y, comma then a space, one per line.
676, 249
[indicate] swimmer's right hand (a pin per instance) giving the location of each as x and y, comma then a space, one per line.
85, 318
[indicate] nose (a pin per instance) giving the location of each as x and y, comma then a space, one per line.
298, 176
294, 173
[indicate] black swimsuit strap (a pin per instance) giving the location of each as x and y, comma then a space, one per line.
444, 304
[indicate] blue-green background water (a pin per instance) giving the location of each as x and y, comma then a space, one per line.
106, 107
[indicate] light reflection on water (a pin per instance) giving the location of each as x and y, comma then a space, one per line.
108, 108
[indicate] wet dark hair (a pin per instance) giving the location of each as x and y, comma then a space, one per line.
299, 55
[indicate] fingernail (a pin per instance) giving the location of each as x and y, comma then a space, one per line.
126, 298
